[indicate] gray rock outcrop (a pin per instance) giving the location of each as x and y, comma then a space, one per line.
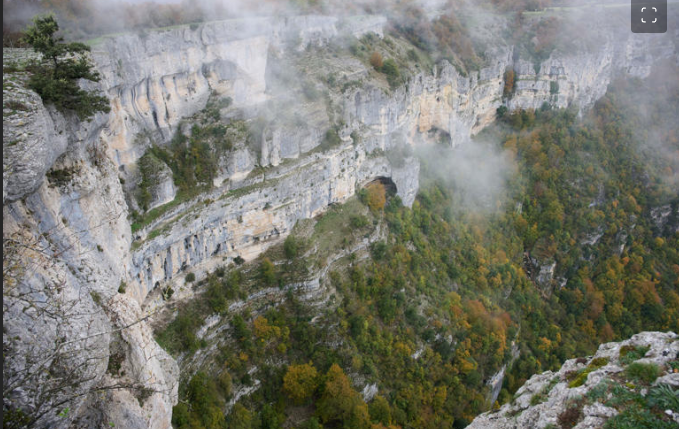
544, 397
31, 142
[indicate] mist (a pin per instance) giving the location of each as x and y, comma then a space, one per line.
477, 171
655, 122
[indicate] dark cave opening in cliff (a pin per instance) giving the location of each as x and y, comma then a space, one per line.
386, 182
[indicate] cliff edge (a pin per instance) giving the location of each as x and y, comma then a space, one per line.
632, 383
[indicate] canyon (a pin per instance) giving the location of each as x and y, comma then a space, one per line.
80, 287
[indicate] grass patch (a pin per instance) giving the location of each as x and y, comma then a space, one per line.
335, 227
638, 411
61, 177
16, 105
578, 378
664, 397
97, 41
96, 297
11, 68
629, 354
598, 392
236, 193
644, 372
180, 334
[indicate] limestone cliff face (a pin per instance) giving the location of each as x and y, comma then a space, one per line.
245, 225
66, 241
543, 399
158, 77
464, 105
66, 220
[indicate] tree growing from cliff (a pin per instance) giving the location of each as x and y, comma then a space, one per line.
376, 60
376, 196
56, 77
508, 89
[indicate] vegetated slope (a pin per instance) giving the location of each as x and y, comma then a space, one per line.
425, 317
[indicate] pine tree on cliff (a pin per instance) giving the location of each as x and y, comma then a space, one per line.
56, 77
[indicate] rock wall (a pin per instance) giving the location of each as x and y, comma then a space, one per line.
445, 101
66, 242
462, 106
175, 71
245, 221
158, 77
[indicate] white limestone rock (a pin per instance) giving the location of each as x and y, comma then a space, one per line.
31, 142
554, 400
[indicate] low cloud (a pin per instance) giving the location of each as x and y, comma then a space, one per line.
476, 170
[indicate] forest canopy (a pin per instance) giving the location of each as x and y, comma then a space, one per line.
451, 294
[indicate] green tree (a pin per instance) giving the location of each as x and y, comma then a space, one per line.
240, 418
225, 383
269, 419
55, 79
380, 412
290, 246
205, 401
267, 272
390, 69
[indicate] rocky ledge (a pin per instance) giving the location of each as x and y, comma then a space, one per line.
632, 383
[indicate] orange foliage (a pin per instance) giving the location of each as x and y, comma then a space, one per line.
376, 60
377, 196
340, 402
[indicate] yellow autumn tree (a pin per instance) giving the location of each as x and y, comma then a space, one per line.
263, 330
300, 382
340, 402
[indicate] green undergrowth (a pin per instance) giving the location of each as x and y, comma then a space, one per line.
640, 410
642, 372
629, 354
638, 403
348, 222
192, 159
341, 226
578, 378
141, 221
